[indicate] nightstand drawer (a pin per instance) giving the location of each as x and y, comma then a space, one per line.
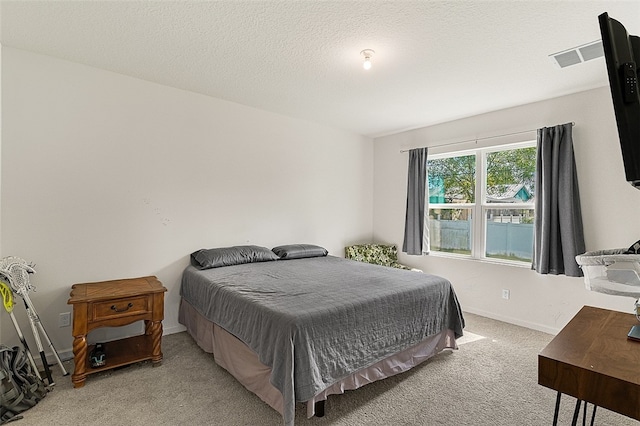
120, 308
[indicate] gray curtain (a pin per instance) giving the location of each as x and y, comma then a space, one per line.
414, 225
559, 235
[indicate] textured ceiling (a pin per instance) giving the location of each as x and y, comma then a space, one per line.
435, 61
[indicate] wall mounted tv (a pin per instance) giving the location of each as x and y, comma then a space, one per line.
622, 55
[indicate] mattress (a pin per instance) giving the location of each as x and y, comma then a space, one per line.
316, 321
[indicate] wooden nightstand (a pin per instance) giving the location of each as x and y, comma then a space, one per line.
114, 304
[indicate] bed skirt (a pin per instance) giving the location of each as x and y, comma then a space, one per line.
242, 362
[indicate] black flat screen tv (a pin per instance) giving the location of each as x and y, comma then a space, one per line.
622, 55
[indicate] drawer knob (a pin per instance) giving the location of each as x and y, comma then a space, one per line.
129, 305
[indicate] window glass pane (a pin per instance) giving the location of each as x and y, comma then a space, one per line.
511, 175
450, 230
510, 234
452, 180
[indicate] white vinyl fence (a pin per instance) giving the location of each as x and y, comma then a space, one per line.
503, 239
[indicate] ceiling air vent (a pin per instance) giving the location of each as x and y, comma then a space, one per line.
579, 54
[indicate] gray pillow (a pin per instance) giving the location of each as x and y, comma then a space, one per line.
228, 256
299, 251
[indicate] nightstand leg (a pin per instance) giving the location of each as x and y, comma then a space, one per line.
80, 361
155, 330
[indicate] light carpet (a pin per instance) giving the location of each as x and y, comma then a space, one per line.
490, 380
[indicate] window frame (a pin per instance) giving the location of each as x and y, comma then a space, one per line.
480, 206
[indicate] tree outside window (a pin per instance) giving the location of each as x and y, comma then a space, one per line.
504, 210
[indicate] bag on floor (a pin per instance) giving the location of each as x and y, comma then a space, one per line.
20, 387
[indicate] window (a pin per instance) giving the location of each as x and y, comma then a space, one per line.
481, 202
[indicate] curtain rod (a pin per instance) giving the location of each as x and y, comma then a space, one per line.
482, 139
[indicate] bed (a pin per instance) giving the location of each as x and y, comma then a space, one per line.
294, 324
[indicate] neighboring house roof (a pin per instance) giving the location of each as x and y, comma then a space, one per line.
516, 193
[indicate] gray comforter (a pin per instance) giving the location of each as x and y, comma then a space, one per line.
315, 321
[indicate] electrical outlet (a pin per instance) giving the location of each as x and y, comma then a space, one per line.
505, 294
64, 320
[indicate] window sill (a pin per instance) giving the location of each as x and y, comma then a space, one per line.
523, 265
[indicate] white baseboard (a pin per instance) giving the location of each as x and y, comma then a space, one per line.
511, 320
175, 329
67, 353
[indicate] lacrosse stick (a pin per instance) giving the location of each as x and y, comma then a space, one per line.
17, 272
7, 299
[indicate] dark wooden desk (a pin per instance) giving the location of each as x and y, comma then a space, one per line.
592, 360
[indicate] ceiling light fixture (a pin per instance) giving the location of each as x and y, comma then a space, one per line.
367, 53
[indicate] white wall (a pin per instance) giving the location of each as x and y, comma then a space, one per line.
609, 205
105, 176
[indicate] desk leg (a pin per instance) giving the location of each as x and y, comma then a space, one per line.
584, 414
555, 414
576, 412
80, 361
